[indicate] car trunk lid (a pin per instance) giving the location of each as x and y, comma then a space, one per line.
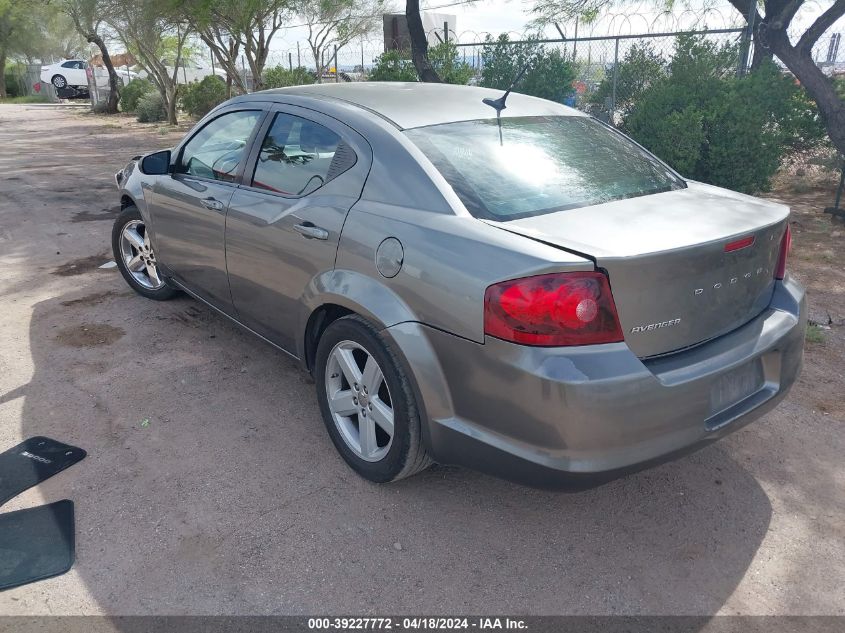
685, 266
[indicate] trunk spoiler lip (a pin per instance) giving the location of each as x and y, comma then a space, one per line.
580, 249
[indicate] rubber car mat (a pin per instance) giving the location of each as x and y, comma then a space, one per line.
31, 462
36, 543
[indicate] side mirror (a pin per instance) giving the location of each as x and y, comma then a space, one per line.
157, 164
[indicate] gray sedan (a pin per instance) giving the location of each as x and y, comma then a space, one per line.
534, 296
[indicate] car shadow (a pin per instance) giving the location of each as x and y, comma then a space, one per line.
211, 487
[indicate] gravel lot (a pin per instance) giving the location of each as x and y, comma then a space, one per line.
211, 486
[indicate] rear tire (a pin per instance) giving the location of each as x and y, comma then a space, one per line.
363, 398
59, 81
135, 257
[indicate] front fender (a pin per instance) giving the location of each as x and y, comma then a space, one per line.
131, 187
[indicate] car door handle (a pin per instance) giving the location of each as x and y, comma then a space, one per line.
307, 229
211, 203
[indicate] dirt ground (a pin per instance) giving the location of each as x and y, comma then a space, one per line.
211, 486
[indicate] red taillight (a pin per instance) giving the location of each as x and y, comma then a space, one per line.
785, 246
555, 310
745, 242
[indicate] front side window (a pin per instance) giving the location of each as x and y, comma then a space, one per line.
538, 165
217, 149
297, 156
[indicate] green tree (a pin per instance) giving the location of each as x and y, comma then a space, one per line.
156, 35
549, 75
393, 66
775, 33
446, 61
231, 28
88, 18
281, 77
638, 70
335, 23
713, 126
18, 24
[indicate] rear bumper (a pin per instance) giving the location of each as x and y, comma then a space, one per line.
578, 417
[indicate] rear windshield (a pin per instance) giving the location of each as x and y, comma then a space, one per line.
539, 164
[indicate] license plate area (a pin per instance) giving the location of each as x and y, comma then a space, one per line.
735, 386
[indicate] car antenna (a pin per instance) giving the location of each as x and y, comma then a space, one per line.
499, 104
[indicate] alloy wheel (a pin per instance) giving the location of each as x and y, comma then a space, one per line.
138, 255
359, 400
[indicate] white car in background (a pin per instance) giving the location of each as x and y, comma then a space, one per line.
73, 73
65, 74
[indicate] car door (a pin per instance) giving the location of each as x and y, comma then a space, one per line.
284, 222
74, 72
188, 207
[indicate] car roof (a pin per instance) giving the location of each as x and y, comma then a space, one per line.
409, 105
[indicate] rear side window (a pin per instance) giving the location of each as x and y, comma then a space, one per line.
218, 148
539, 165
299, 156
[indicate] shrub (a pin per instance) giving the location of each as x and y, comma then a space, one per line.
549, 75
444, 58
446, 62
15, 80
638, 70
200, 97
712, 126
281, 77
393, 66
150, 108
132, 92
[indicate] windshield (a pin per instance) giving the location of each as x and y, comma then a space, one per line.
541, 164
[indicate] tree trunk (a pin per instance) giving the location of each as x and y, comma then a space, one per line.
114, 91
3, 94
227, 57
170, 105
419, 43
818, 86
759, 56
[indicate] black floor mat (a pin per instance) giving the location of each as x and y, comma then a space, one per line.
31, 462
36, 543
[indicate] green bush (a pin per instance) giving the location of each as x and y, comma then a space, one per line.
132, 92
446, 62
549, 75
15, 82
150, 108
638, 70
714, 127
281, 77
200, 97
444, 58
393, 66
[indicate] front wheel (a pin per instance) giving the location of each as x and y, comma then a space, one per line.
135, 257
367, 402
